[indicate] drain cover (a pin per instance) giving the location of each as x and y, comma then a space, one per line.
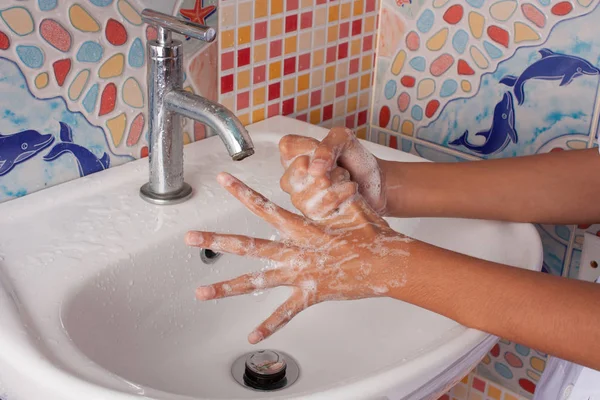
265, 370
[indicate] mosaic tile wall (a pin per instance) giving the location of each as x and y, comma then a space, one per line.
475, 387
471, 79
308, 59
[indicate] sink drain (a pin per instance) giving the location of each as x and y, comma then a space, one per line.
265, 370
208, 256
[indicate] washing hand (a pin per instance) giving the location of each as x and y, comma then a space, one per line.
348, 252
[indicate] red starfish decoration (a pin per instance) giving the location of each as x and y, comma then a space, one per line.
199, 13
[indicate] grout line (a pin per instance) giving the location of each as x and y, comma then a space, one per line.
595, 119
567, 261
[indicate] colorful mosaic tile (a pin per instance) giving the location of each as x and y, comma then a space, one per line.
474, 386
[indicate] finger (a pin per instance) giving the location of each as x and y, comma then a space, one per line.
244, 284
295, 173
323, 203
238, 244
328, 151
339, 175
279, 318
292, 146
290, 224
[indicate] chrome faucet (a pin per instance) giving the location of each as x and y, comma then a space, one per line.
167, 102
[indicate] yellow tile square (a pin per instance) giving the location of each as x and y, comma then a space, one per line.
227, 38
358, 7
258, 96
339, 109
365, 81
258, 115
261, 8
334, 13
494, 392
315, 116
228, 102
275, 70
355, 47
369, 24
243, 79
227, 16
276, 7
244, 12
351, 104
303, 82
316, 79
244, 34
362, 133
276, 27
328, 93
244, 119
302, 102
260, 52
320, 37
367, 63
320, 16
353, 85
363, 100
465, 380
289, 86
290, 45
330, 73
346, 11
342, 70
307, 3
332, 33
304, 41
509, 397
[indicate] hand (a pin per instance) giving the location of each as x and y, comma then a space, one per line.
339, 148
352, 253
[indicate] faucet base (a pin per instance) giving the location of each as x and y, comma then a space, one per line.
166, 199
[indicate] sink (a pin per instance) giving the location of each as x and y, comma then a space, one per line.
97, 294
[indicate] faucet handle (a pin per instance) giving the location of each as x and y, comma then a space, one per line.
166, 24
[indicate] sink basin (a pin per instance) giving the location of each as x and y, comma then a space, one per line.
97, 294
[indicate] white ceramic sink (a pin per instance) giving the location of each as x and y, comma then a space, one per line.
97, 294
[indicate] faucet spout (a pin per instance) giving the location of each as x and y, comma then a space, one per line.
217, 117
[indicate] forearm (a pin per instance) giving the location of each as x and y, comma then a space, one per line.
557, 188
537, 310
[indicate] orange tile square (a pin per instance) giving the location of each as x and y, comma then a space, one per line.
355, 47
315, 116
346, 11
320, 16
334, 13
307, 3
316, 79
365, 81
358, 7
318, 58
275, 70
243, 79
369, 24
328, 93
353, 85
330, 73
244, 119
289, 87
364, 99
367, 63
302, 102
465, 380
319, 37
276, 27
258, 96
352, 102
342, 70
303, 82
332, 33
227, 16
261, 8
290, 45
260, 52
362, 133
494, 392
276, 7
258, 115
244, 34
304, 41
509, 397
227, 38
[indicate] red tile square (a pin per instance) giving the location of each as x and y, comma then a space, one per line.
340, 89
321, 2
306, 20
227, 84
287, 107
243, 100
289, 65
394, 145
243, 57
444, 397
342, 50
331, 54
260, 73
302, 117
304, 62
291, 23
275, 48
356, 27
315, 98
370, 7
327, 112
274, 91
260, 30
354, 66
478, 384
227, 61
350, 121
273, 110
344, 30
362, 117
368, 43
291, 5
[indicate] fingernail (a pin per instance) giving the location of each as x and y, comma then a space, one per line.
255, 337
224, 179
194, 238
205, 293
